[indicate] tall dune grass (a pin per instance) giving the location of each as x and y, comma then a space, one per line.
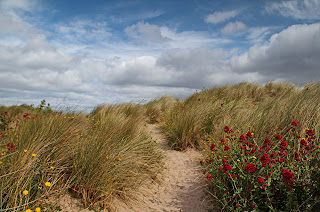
97, 157
239, 106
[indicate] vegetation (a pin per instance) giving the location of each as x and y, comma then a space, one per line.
96, 157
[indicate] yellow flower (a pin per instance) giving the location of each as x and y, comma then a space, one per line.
25, 150
119, 159
238, 160
37, 209
242, 154
51, 167
28, 210
204, 150
254, 157
107, 157
25, 192
33, 155
48, 184
0, 162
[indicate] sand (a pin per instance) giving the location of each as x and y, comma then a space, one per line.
183, 186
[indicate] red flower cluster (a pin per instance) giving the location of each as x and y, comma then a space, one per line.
226, 129
250, 168
249, 134
278, 137
212, 147
265, 158
261, 180
294, 123
11, 146
287, 176
283, 145
242, 138
226, 167
226, 148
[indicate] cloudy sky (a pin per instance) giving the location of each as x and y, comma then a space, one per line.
85, 53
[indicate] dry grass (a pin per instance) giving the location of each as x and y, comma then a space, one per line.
239, 106
97, 157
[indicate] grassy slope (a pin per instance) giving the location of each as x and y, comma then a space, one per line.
97, 157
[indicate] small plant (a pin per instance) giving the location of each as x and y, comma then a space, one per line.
280, 174
45, 106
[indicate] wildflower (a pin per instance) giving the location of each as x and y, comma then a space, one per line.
261, 180
226, 148
212, 147
48, 184
254, 157
0, 162
265, 158
242, 138
51, 167
250, 168
223, 141
253, 151
283, 145
25, 192
33, 155
294, 123
220, 168
226, 129
212, 196
209, 177
28, 210
224, 160
287, 176
37, 209
119, 159
278, 137
25, 150
227, 166
238, 160
249, 134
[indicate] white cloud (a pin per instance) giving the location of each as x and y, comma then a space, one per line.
233, 27
298, 9
293, 55
26, 5
145, 32
218, 17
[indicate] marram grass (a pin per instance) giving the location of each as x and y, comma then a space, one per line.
96, 157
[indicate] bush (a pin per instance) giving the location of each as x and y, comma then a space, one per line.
280, 174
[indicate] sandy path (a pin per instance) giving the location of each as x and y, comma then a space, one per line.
183, 187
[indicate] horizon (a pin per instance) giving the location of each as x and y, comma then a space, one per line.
108, 52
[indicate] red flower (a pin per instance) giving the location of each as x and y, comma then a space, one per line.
287, 176
265, 158
226, 129
212, 147
278, 137
224, 160
212, 196
209, 177
250, 168
294, 123
254, 206
261, 180
253, 151
283, 145
226, 148
266, 142
249, 134
237, 205
227, 166
272, 155
223, 141
220, 168
242, 138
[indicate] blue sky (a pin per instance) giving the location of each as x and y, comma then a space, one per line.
86, 53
